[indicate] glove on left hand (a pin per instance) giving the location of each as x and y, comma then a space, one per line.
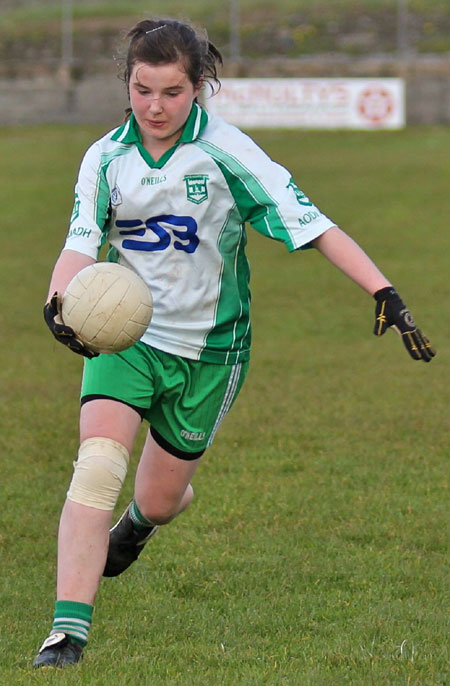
390, 310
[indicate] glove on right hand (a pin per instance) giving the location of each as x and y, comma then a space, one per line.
63, 334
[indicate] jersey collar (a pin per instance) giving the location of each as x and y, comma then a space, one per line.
195, 123
129, 132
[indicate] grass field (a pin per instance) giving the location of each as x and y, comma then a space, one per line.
316, 553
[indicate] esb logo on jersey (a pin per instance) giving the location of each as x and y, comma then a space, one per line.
159, 233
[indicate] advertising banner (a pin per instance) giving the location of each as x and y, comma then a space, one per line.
354, 103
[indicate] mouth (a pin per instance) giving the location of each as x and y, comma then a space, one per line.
155, 124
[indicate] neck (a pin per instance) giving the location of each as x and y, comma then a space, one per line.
156, 147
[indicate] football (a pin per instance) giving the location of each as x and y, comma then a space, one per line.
108, 306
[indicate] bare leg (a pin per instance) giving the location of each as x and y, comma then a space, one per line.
162, 488
83, 531
82, 548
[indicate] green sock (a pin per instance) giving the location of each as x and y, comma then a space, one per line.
138, 520
73, 619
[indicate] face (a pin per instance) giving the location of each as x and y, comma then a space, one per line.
161, 97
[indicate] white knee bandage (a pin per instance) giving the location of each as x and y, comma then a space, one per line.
99, 473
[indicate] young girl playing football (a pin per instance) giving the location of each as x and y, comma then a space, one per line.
171, 190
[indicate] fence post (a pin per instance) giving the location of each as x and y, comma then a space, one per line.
402, 28
66, 70
235, 30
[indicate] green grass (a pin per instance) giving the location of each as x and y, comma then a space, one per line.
316, 552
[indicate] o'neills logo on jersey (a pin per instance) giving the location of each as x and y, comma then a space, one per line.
152, 180
196, 187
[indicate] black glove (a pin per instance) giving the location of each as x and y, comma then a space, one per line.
390, 310
64, 334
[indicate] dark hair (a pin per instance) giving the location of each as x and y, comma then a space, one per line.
164, 41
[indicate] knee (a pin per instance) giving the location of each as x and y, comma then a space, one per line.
162, 508
159, 511
99, 473
158, 514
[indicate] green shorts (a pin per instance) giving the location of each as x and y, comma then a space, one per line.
183, 400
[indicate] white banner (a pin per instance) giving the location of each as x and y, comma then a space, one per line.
358, 103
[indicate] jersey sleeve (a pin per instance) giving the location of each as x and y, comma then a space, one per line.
88, 223
267, 196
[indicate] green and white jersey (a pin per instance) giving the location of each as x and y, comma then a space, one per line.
180, 224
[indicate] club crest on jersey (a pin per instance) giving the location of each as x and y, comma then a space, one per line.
196, 187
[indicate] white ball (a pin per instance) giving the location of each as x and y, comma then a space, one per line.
108, 306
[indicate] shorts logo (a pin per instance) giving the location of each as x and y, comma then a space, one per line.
192, 435
116, 197
196, 187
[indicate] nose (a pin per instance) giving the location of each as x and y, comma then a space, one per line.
155, 105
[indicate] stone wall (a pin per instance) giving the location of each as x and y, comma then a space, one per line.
100, 97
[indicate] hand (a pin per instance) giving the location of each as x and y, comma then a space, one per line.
64, 334
390, 310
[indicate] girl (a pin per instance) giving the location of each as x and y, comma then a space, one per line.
171, 191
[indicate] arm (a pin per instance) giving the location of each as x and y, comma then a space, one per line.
390, 311
82, 244
68, 264
344, 253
